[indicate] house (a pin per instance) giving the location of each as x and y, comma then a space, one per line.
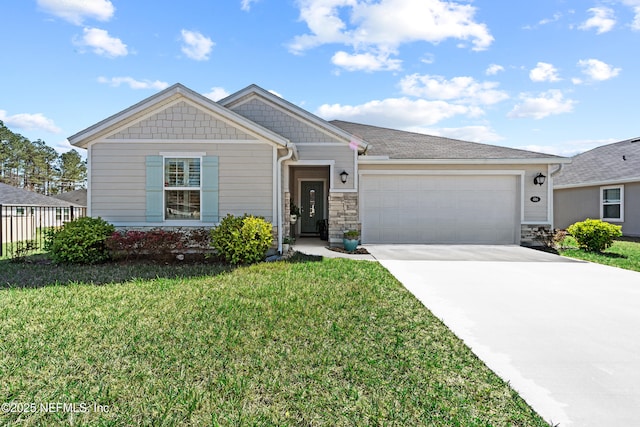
603, 183
77, 197
179, 159
23, 212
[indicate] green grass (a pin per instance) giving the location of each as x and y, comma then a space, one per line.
624, 253
330, 343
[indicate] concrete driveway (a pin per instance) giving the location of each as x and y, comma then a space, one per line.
565, 334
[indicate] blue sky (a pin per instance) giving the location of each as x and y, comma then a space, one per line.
557, 76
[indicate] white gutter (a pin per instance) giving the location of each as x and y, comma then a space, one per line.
598, 183
290, 151
533, 161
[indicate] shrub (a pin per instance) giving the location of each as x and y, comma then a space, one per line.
594, 235
242, 240
82, 241
49, 237
20, 250
156, 243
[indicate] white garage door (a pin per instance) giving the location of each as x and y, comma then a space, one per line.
449, 209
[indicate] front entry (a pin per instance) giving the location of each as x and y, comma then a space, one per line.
311, 206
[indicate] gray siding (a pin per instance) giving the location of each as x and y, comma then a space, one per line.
342, 155
577, 204
118, 178
280, 122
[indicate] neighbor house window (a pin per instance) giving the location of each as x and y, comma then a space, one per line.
63, 214
612, 203
182, 188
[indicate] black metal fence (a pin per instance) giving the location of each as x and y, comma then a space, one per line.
23, 229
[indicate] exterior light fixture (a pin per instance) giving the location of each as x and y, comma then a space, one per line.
539, 179
343, 176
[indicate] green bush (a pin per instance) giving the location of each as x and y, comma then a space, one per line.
242, 240
82, 241
594, 235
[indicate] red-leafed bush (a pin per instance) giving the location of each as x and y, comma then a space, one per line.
157, 242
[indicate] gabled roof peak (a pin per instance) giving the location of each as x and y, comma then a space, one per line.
83, 138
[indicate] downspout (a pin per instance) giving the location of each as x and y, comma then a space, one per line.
555, 172
287, 156
551, 175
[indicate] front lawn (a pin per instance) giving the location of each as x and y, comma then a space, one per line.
624, 253
324, 343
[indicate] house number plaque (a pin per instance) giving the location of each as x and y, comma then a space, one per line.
535, 199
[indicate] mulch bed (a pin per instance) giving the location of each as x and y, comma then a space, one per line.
358, 251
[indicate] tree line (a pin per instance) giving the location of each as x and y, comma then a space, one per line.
34, 166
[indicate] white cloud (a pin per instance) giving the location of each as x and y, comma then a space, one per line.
556, 17
597, 70
246, 4
28, 121
381, 27
196, 46
397, 113
568, 149
482, 134
494, 69
102, 43
460, 89
76, 11
133, 83
365, 62
217, 93
545, 21
635, 25
544, 72
546, 104
603, 20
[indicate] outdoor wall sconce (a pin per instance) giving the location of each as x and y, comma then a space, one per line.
343, 176
539, 179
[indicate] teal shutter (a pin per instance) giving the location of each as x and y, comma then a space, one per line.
154, 189
209, 199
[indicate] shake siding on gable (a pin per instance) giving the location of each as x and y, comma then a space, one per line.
118, 177
181, 121
280, 122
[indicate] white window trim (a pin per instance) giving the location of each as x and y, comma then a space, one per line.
612, 187
179, 155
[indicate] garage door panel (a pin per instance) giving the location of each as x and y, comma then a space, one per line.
477, 209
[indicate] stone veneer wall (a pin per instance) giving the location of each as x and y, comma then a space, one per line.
343, 215
528, 234
286, 224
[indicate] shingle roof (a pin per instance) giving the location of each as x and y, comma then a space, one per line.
78, 197
397, 144
10, 195
619, 161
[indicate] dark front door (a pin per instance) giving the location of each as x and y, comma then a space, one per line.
312, 205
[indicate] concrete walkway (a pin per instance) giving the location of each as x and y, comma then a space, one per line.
315, 246
565, 334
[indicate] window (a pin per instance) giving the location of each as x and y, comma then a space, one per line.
63, 214
612, 203
182, 188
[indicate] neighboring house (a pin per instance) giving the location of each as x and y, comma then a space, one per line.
77, 197
179, 159
603, 183
23, 212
